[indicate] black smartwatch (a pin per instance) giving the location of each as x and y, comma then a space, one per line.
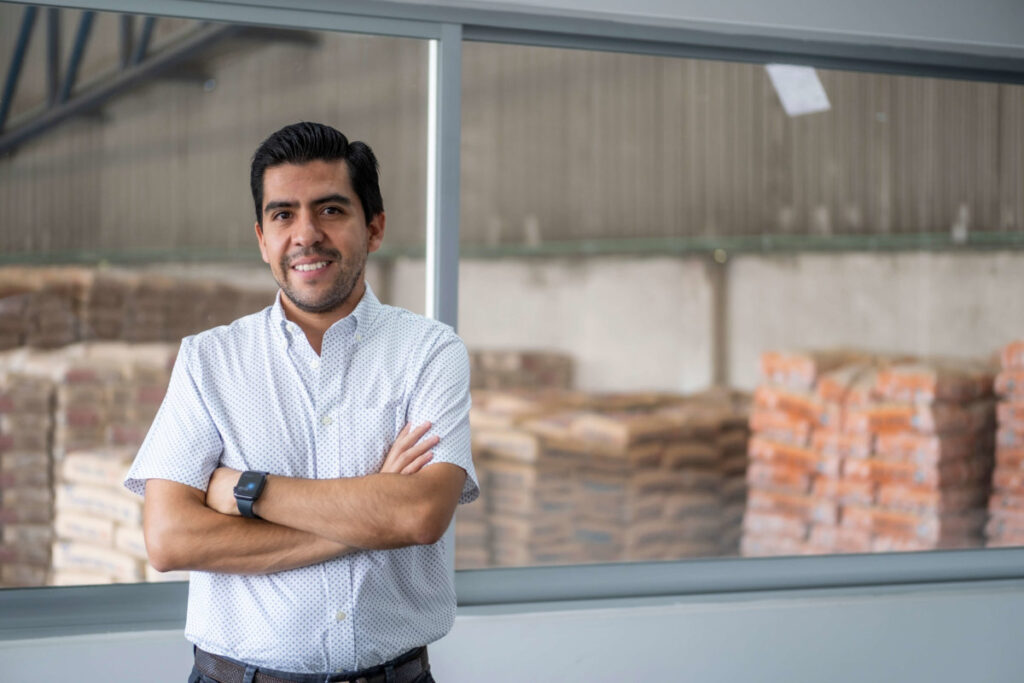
247, 490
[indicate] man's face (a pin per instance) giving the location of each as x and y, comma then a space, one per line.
314, 235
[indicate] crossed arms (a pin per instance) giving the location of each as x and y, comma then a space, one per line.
303, 521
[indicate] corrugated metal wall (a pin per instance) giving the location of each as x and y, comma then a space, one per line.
608, 145
557, 144
167, 167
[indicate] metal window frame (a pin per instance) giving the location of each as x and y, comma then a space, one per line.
41, 612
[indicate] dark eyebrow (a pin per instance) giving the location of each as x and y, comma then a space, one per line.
282, 204
333, 199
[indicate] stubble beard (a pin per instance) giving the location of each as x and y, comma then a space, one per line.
349, 274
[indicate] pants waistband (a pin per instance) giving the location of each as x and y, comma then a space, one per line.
402, 669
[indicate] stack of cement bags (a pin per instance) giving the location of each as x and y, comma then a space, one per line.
25, 477
49, 308
101, 399
1006, 508
854, 452
574, 477
520, 369
98, 523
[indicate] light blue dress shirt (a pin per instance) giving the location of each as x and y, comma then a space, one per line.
253, 395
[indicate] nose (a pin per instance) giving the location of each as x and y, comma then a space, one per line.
307, 230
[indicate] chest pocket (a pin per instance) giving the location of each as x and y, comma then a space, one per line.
366, 436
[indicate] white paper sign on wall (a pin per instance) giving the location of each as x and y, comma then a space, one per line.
799, 88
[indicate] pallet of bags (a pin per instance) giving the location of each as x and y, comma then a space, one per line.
133, 395
510, 408
97, 522
100, 304
50, 315
732, 438
897, 458
842, 391
783, 466
209, 303
150, 301
472, 535
526, 492
104, 395
932, 422
801, 370
531, 452
26, 502
528, 498
706, 454
571, 477
82, 391
246, 302
15, 299
1006, 507
503, 369
621, 488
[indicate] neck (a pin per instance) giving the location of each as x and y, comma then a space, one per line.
314, 325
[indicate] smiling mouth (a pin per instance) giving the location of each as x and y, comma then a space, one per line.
309, 267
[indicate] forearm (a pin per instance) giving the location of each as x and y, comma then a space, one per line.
379, 511
195, 537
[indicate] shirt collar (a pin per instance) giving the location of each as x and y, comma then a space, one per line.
363, 315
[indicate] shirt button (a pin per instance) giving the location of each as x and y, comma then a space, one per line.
326, 420
359, 337
314, 364
341, 616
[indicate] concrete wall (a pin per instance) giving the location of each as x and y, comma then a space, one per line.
641, 323
629, 323
941, 634
921, 303
646, 323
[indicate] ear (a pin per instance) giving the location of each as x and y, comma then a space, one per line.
263, 244
375, 232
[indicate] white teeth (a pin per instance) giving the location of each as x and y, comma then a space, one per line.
310, 266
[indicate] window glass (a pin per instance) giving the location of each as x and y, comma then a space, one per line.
703, 326
130, 225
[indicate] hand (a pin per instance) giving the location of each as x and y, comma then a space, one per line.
408, 454
220, 494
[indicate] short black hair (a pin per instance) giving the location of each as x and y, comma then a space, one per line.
303, 142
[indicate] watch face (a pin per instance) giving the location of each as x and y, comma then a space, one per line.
250, 484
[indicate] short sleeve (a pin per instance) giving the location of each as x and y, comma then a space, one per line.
183, 443
441, 396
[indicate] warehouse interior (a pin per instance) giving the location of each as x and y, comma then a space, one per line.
652, 253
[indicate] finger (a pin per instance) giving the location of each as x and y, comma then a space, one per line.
396, 446
415, 433
404, 434
421, 447
417, 464
403, 458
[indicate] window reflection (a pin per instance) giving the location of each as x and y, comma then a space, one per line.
128, 225
665, 226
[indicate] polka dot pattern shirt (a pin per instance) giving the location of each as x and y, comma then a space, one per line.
254, 395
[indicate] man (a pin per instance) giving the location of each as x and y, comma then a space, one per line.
290, 467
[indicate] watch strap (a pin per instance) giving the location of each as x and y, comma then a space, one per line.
245, 507
246, 496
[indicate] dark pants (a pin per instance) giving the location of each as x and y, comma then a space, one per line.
196, 677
